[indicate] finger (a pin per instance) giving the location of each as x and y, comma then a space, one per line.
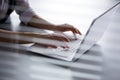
71, 28
46, 45
78, 31
50, 45
68, 37
75, 34
75, 30
62, 34
55, 37
65, 47
60, 38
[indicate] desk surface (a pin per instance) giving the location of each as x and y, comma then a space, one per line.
17, 64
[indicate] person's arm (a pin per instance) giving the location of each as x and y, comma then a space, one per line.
28, 37
10, 37
28, 16
41, 23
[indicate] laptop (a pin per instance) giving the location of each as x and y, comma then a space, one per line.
84, 42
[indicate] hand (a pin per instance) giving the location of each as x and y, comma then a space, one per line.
67, 27
45, 39
43, 24
63, 39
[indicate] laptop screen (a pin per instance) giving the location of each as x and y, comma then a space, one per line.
96, 31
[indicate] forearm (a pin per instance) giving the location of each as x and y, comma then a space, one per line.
22, 37
38, 22
10, 37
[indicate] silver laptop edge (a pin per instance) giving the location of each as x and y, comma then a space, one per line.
88, 42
